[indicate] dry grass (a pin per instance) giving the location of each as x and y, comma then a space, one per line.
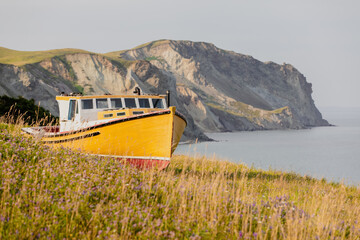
58, 194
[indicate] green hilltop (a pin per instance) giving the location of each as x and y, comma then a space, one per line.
148, 45
19, 58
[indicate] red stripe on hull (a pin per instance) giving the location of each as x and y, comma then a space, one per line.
146, 163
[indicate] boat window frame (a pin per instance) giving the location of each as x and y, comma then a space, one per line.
148, 101
151, 103
162, 102
136, 103
106, 100
90, 100
77, 107
137, 112
121, 100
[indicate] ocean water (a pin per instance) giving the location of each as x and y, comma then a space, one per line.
332, 153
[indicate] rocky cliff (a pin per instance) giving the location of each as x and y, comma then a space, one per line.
217, 90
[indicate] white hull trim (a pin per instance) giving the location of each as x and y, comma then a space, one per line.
133, 157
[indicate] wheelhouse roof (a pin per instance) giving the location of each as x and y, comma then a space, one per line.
63, 97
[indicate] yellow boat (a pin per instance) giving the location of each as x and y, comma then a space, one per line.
140, 129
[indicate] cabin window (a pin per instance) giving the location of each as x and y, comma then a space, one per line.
108, 115
101, 103
116, 103
138, 112
72, 107
130, 103
119, 114
87, 104
158, 103
144, 103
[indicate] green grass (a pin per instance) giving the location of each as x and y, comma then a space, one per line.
152, 44
79, 88
154, 58
116, 56
244, 110
68, 66
19, 58
57, 194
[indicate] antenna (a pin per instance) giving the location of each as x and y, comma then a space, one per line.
168, 98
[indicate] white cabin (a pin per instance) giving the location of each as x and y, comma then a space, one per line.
77, 112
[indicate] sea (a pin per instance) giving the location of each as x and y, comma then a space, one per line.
331, 152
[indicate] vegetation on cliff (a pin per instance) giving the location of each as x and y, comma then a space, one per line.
22, 108
57, 194
19, 58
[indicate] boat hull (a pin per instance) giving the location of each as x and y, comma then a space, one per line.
143, 140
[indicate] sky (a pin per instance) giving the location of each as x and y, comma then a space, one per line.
321, 38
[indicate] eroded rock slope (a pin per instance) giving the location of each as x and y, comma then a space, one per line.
217, 90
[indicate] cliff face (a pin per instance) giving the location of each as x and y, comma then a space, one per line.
214, 78
33, 82
216, 90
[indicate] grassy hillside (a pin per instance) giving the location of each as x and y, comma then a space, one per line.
56, 194
244, 110
116, 55
18, 58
